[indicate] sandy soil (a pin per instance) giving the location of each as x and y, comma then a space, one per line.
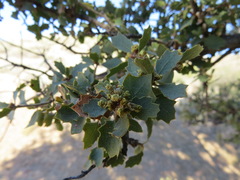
174, 151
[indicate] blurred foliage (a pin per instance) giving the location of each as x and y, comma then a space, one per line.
220, 106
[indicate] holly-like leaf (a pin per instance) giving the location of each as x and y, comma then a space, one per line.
115, 161
91, 134
3, 105
78, 68
149, 124
117, 69
167, 62
149, 109
77, 125
37, 116
101, 86
214, 42
92, 108
145, 65
60, 67
66, 114
35, 85
192, 53
111, 63
134, 160
83, 83
5, 112
122, 42
135, 126
96, 156
161, 49
58, 124
110, 143
145, 38
173, 91
48, 117
121, 126
167, 110
132, 68
139, 86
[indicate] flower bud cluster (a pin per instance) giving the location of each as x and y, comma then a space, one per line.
117, 100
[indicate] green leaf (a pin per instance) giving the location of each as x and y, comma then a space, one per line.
167, 62
149, 124
91, 134
167, 110
89, 74
5, 112
35, 85
22, 97
167, 78
77, 125
78, 68
135, 126
66, 114
192, 53
60, 67
161, 49
83, 83
108, 47
134, 160
37, 115
96, 156
145, 38
58, 124
3, 105
121, 126
145, 65
92, 108
110, 143
117, 69
122, 42
149, 109
139, 86
96, 49
111, 63
132, 68
48, 117
101, 86
173, 91
214, 42
187, 23
116, 160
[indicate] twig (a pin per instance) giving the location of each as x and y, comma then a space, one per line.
67, 47
22, 48
12, 106
83, 173
221, 57
25, 67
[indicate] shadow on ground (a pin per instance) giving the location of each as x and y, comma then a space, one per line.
173, 152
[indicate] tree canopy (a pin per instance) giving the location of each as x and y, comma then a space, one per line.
141, 43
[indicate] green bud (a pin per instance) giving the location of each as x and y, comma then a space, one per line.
134, 48
102, 103
117, 91
109, 87
126, 94
120, 111
123, 101
115, 97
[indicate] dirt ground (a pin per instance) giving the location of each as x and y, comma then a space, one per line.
174, 151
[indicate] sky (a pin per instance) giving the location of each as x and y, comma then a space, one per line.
13, 30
